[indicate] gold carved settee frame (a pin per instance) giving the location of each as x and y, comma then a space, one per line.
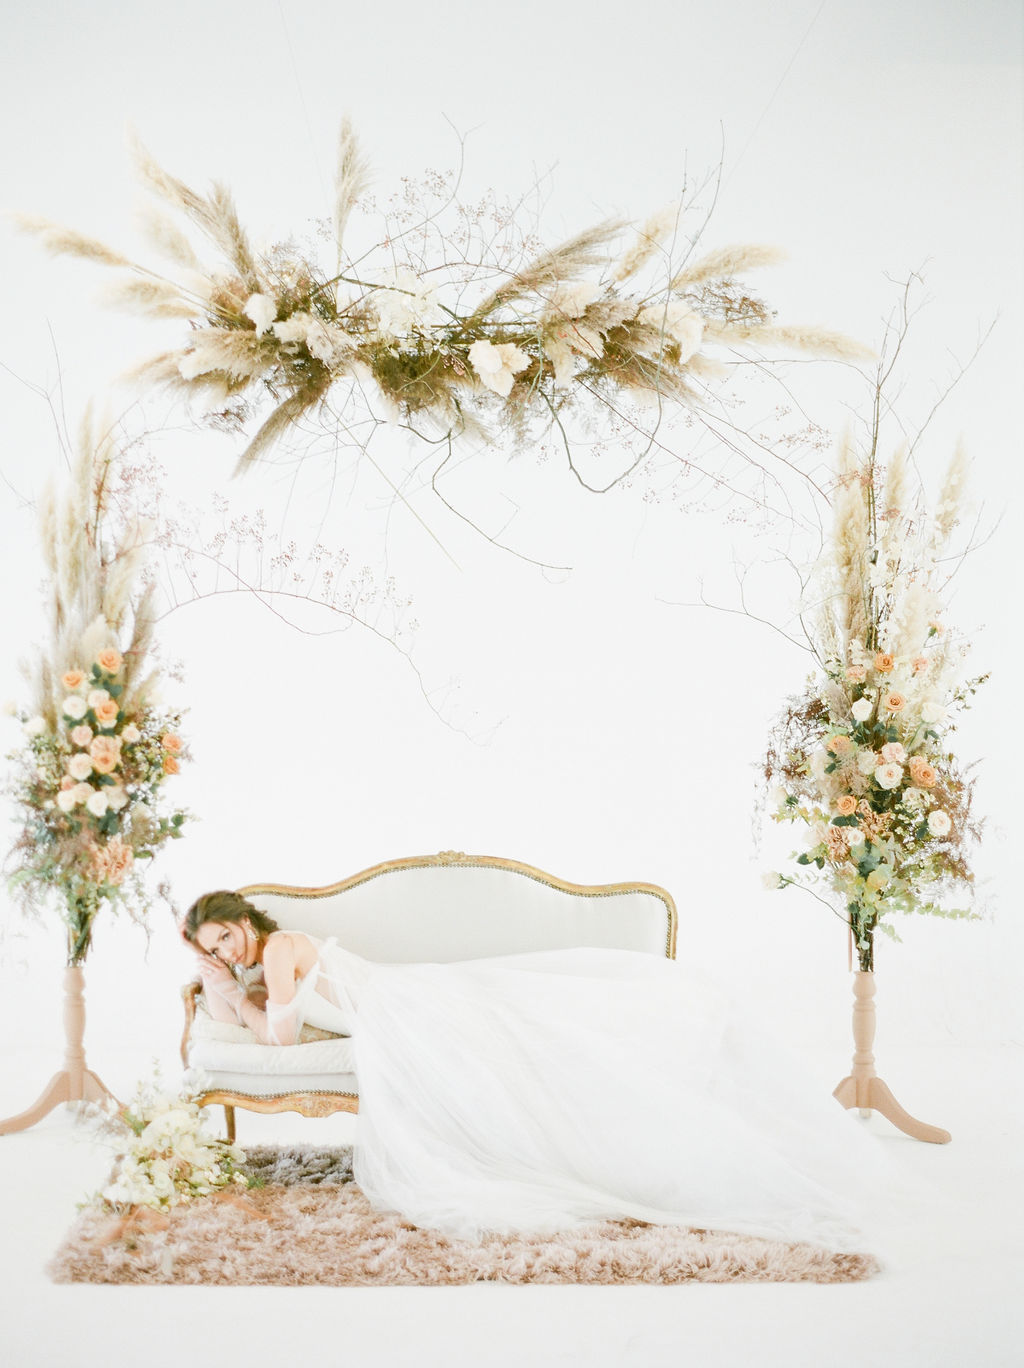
325, 1102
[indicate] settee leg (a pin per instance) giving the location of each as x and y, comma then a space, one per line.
229, 1121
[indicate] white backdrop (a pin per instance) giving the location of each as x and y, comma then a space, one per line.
612, 735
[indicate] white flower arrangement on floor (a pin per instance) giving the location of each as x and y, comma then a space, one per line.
97, 747
863, 758
457, 332
166, 1157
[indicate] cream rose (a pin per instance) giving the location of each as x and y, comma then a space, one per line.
96, 696
888, 776
66, 800
97, 803
913, 797
866, 762
854, 836
106, 754
106, 714
862, 709
130, 734
893, 753
109, 660
933, 712
117, 798
939, 823
81, 735
74, 707
856, 674
922, 773
80, 766
35, 726
82, 793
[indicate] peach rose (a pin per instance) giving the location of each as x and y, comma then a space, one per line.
119, 858
922, 773
884, 662
106, 714
839, 745
846, 806
170, 742
106, 753
919, 664
856, 673
109, 660
893, 701
72, 680
80, 766
81, 735
171, 765
67, 782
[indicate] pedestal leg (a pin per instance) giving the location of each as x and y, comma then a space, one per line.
862, 1087
75, 1082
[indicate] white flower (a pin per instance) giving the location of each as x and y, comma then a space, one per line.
75, 707
497, 366
679, 322
932, 711
10, 708
411, 303
80, 766
771, 879
66, 799
889, 776
939, 823
131, 734
96, 697
862, 709
571, 297
777, 795
293, 329
262, 311
81, 792
819, 759
894, 753
560, 354
866, 762
117, 798
854, 836
97, 802
913, 797
35, 726
328, 343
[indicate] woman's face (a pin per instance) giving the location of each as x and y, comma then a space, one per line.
229, 942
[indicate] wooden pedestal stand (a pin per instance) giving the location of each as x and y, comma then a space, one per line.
862, 1087
73, 1083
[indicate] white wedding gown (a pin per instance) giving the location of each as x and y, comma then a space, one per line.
537, 1092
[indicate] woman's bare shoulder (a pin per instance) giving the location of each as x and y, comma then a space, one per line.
290, 945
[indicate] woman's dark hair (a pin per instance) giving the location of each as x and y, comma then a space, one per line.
225, 906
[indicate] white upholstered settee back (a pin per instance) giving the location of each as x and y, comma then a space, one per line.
453, 907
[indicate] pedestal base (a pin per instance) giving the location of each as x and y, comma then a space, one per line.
862, 1088
62, 1087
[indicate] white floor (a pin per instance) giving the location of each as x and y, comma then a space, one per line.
952, 1295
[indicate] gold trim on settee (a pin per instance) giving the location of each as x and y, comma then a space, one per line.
317, 1102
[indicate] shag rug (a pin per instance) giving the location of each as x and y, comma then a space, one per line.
310, 1224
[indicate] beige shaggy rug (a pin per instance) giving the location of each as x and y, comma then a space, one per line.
310, 1224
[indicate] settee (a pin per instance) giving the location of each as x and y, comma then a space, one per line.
431, 908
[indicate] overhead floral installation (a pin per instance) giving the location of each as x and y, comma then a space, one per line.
863, 759
98, 746
476, 331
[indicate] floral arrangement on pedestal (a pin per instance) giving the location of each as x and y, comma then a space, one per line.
863, 758
453, 331
165, 1155
98, 748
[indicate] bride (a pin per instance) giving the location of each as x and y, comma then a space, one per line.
539, 1091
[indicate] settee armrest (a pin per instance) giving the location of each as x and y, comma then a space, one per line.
190, 994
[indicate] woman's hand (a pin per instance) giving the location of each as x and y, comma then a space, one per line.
224, 995
214, 973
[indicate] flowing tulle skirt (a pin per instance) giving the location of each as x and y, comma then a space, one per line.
539, 1092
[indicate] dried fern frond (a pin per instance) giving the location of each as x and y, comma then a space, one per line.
157, 298
561, 263
725, 262
648, 240
66, 242
351, 181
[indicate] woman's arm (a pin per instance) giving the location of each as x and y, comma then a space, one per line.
278, 1024
223, 993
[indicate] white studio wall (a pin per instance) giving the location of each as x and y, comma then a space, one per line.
597, 729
